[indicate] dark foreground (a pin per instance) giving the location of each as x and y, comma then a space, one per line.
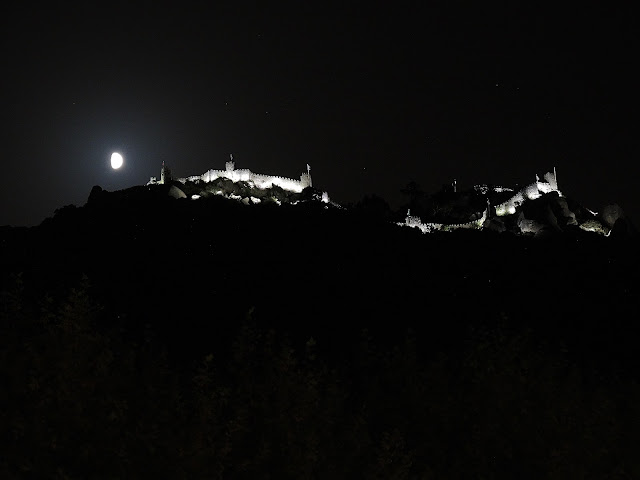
177, 339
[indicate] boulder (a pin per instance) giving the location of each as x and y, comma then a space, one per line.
176, 193
528, 226
563, 213
610, 214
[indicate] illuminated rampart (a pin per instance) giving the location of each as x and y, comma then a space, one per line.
258, 180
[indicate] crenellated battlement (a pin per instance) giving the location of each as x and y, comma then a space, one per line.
530, 192
428, 227
259, 180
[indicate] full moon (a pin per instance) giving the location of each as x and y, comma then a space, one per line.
116, 160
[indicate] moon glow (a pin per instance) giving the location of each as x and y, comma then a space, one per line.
116, 160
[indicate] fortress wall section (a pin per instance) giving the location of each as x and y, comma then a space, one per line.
258, 179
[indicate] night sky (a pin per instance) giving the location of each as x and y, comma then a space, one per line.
372, 97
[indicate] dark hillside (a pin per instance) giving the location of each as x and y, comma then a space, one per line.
402, 347
322, 271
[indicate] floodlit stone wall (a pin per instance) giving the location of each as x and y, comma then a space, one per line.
472, 225
257, 179
415, 222
530, 192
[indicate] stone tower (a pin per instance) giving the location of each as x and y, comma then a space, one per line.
305, 178
552, 179
165, 174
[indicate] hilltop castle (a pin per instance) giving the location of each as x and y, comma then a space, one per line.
165, 176
258, 180
509, 207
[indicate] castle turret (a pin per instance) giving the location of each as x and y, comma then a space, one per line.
230, 165
305, 178
165, 174
552, 179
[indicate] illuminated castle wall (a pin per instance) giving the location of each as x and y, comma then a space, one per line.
165, 176
530, 192
415, 222
257, 179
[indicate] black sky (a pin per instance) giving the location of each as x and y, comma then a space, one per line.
371, 96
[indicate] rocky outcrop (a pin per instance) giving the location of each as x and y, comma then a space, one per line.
175, 192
